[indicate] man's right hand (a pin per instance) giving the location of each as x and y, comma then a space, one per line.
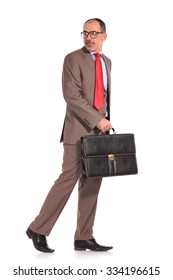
104, 125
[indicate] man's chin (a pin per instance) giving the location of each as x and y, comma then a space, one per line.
90, 48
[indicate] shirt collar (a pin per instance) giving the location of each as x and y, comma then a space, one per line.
92, 53
93, 56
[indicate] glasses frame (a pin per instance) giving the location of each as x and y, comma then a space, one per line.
90, 33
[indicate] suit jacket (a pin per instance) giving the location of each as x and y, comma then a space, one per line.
78, 84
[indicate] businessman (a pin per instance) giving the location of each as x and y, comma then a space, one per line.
86, 90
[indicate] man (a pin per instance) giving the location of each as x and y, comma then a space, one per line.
83, 117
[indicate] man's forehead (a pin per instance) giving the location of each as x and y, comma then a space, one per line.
92, 25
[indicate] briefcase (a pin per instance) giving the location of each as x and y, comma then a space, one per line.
108, 155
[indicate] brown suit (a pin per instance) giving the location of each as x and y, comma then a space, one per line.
78, 82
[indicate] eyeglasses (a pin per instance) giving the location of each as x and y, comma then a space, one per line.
93, 34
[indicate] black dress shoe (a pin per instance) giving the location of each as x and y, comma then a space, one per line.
91, 244
39, 241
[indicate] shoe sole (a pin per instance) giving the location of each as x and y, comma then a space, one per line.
84, 249
80, 249
28, 234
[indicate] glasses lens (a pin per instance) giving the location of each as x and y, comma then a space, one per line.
84, 35
94, 34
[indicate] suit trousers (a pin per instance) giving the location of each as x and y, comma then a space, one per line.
59, 194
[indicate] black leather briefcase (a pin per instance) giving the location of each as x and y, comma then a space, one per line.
108, 155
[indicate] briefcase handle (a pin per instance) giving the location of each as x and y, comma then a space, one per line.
113, 130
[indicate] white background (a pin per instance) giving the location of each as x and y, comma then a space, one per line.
134, 212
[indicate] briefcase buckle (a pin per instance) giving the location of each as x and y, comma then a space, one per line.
111, 157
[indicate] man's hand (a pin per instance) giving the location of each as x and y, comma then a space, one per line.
104, 125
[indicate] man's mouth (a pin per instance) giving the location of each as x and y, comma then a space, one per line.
89, 43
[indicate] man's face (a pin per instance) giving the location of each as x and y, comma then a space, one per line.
94, 44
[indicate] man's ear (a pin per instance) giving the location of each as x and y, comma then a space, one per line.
104, 36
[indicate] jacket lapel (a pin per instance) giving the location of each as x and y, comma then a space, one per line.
88, 59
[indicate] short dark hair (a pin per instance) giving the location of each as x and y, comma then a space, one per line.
101, 22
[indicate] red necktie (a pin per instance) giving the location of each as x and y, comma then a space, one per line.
99, 88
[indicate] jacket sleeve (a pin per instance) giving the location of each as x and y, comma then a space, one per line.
73, 93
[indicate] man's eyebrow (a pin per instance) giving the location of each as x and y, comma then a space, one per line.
90, 31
